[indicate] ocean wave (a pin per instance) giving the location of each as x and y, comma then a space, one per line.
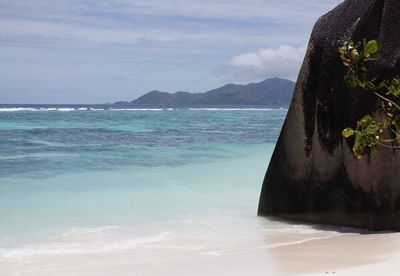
79, 232
39, 109
242, 250
19, 109
69, 109
235, 109
68, 248
136, 109
38, 155
305, 240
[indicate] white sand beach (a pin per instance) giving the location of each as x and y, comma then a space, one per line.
348, 254
352, 254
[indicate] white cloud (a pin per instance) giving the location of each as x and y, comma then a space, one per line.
158, 36
294, 11
159, 21
79, 44
283, 61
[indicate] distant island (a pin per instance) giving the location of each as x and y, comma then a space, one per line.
273, 92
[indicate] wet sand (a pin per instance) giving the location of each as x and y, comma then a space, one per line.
348, 254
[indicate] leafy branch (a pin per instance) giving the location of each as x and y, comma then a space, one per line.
370, 134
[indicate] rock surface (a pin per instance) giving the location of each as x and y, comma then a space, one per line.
313, 175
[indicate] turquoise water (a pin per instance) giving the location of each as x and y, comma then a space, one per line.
80, 181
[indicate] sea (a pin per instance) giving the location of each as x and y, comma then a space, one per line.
87, 180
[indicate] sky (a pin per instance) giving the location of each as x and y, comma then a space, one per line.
86, 51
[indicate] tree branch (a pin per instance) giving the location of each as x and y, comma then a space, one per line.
395, 132
388, 100
386, 146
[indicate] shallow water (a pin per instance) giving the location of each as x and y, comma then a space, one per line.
94, 181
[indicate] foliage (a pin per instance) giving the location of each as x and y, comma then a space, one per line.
370, 134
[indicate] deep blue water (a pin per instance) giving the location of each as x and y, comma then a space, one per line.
42, 143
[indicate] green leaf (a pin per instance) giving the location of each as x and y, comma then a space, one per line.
359, 145
348, 132
365, 121
355, 55
375, 58
387, 122
372, 130
369, 85
351, 81
371, 48
370, 133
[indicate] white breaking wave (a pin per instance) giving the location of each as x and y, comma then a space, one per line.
16, 109
79, 232
66, 109
41, 109
68, 248
69, 109
136, 109
233, 109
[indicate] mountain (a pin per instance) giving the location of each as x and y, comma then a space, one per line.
270, 92
167, 99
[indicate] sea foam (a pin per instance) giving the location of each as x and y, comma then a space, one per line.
233, 109
85, 247
69, 109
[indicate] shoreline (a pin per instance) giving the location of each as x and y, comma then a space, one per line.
347, 254
350, 254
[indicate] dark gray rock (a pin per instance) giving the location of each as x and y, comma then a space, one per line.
313, 175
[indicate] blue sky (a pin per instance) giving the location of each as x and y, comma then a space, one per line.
70, 51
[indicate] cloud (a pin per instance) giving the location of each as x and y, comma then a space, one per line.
283, 61
159, 21
159, 36
271, 10
152, 44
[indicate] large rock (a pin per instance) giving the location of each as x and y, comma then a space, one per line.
313, 175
